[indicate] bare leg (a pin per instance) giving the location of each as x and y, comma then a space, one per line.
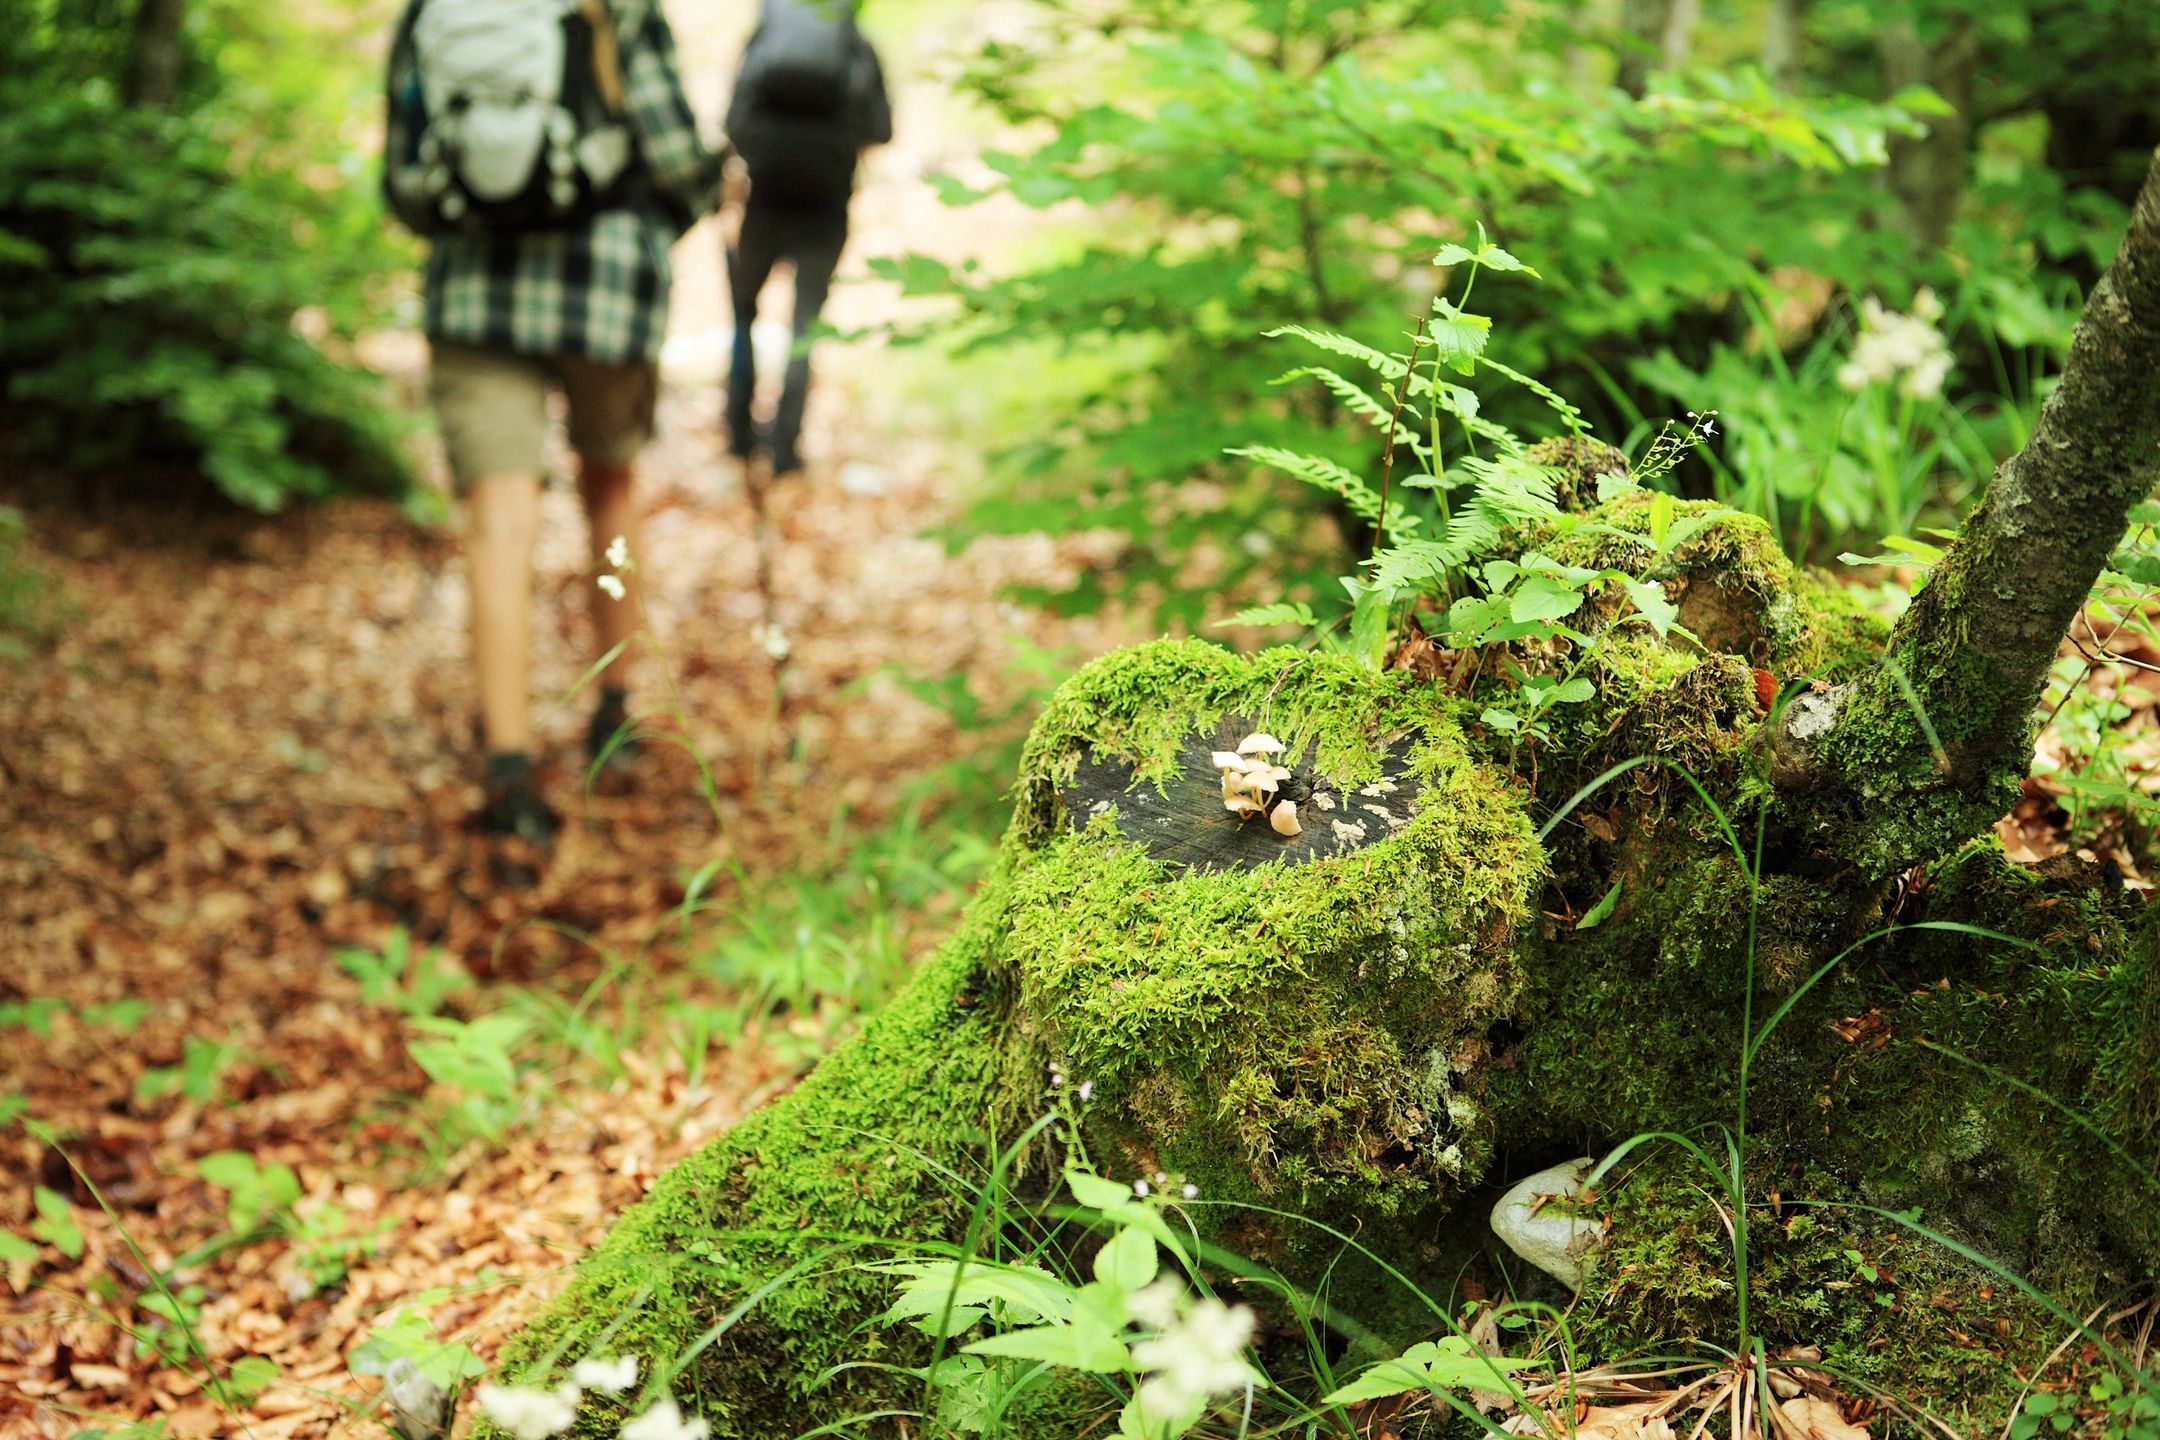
609, 513
502, 516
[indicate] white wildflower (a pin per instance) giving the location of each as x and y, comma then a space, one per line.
618, 552
1155, 1305
1190, 1191
772, 640
665, 1422
528, 1413
1086, 1092
1202, 1355
1140, 1188
1903, 349
612, 585
613, 1376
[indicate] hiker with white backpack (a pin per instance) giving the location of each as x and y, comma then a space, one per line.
810, 96
545, 149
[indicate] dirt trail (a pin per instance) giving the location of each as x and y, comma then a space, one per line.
252, 746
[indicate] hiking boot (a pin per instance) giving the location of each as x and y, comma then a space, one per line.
610, 718
514, 807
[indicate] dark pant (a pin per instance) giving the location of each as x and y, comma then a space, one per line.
810, 241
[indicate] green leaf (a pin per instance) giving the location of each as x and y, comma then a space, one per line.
1127, 1261
1649, 598
1450, 1363
124, 1014
1282, 612
1573, 691
1544, 598
1597, 914
55, 1223
1096, 1192
407, 1335
13, 1247
1458, 337
1369, 626
1088, 1346
1661, 513
249, 1377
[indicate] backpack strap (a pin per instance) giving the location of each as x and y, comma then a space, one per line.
606, 55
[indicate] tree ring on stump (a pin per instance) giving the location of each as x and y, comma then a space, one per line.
1182, 820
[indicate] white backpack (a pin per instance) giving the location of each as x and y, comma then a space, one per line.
516, 115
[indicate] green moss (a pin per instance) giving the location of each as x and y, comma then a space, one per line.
1286, 1033
1965, 1133
1889, 1310
873, 1144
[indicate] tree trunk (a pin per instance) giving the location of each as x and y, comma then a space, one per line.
1783, 34
154, 61
1928, 750
1927, 172
1655, 35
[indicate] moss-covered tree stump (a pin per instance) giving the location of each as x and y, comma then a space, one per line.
1378, 1021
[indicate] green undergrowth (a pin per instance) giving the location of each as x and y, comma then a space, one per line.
1893, 1314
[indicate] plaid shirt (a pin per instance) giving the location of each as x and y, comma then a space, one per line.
599, 290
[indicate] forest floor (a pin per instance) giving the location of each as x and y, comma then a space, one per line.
249, 750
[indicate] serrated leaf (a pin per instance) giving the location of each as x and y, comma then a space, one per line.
1458, 337
1649, 598
1282, 612
1544, 598
1087, 1347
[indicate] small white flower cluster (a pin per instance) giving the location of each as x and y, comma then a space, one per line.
527, 1412
618, 557
1084, 1091
1160, 1184
1197, 1350
1251, 780
773, 640
1905, 348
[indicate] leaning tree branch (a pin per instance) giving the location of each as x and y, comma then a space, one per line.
1925, 753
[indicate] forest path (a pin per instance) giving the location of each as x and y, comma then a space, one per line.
252, 748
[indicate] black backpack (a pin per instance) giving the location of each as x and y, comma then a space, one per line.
512, 113
800, 61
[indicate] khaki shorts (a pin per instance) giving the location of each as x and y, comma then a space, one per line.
492, 407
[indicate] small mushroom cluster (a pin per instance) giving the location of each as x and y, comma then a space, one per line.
1251, 780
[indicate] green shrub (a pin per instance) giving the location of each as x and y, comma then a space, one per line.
153, 291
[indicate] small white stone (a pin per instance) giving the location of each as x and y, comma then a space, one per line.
1552, 1241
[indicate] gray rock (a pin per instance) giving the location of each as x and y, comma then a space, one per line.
1543, 1233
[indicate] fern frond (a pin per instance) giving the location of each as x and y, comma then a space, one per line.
1359, 401
1322, 474
1569, 415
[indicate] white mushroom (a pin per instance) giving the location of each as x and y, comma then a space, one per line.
1261, 743
1285, 819
1241, 806
1228, 760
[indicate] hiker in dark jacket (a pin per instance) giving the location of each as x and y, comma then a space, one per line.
810, 96
549, 156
